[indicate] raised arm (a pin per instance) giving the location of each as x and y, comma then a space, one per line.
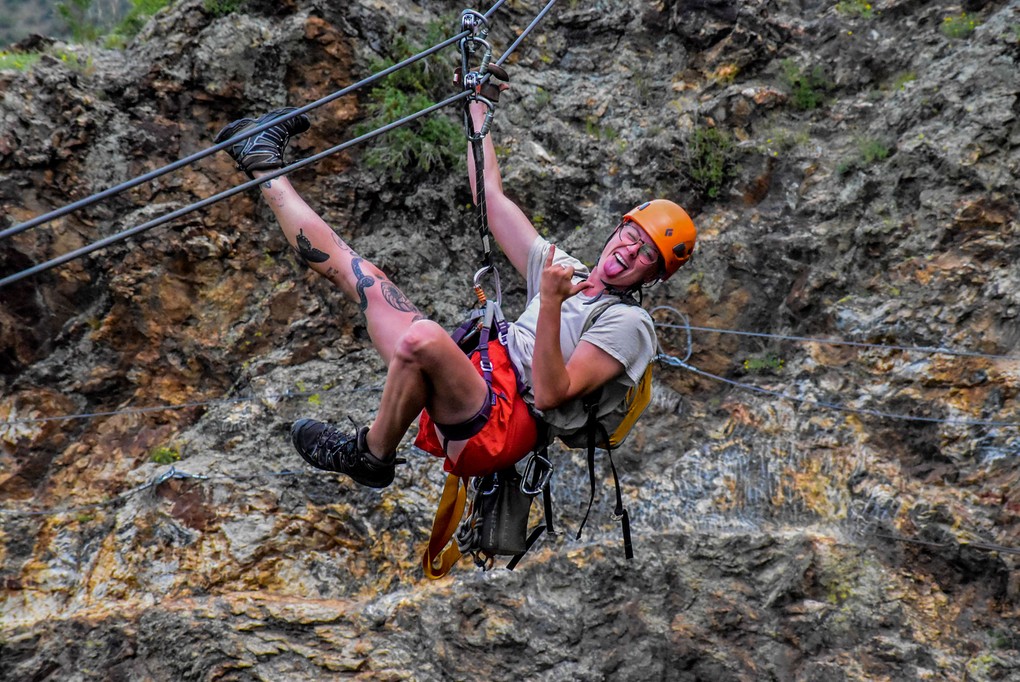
511, 228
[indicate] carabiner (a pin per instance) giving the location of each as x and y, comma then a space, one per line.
498, 298
536, 475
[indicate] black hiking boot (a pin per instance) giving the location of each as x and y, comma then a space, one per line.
263, 151
327, 447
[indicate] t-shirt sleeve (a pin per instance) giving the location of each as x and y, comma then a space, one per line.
537, 254
627, 333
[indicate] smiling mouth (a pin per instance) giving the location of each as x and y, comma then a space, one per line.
619, 259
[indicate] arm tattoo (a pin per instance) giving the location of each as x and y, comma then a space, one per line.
364, 281
396, 298
309, 252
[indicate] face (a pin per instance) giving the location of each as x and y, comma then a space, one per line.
629, 257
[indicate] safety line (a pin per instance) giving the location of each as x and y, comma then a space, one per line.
156, 222
152, 175
984, 546
932, 350
830, 342
286, 395
669, 360
171, 473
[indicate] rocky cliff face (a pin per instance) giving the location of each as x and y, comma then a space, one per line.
853, 171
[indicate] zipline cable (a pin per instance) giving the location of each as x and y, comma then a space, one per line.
156, 222
60, 260
152, 175
669, 360
285, 395
931, 350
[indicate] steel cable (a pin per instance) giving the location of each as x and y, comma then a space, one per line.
156, 222
152, 175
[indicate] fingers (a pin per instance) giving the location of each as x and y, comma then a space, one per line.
552, 253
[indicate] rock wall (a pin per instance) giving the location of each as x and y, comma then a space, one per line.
864, 188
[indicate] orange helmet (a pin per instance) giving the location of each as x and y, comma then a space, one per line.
670, 228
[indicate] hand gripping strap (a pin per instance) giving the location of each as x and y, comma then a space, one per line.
438, 559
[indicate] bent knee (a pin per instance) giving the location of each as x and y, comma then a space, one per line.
423, 342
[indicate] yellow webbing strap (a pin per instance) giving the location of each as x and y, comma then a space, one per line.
438, 559
638, 397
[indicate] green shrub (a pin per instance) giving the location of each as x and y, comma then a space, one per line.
855, 8
137, 17
18, 61
220, 8
74, 13
958, 26
433, 141
165, 455
709, 156
870, 150
764, 364
807, 88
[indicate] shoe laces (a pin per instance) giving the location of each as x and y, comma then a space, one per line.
339, 446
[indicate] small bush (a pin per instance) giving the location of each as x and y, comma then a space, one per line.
855, 8
165, 455
221, 8
958, 26
764, 364
74, 13
870, 150
137, 17
434, 141
807, 88
18, 61
709, 157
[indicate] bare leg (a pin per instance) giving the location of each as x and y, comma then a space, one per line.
387, 310
426, 368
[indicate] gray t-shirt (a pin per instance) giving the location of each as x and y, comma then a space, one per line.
626, 332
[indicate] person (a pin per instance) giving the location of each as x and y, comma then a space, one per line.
477, 422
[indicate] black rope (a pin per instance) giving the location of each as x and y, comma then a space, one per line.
105, 194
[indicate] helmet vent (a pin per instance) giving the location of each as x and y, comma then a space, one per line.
680, 250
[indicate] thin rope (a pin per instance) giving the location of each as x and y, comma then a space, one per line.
286, 395
669, 360
152, 175
831, 342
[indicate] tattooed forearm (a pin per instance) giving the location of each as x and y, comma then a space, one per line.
364, 281
309, 252
396, 298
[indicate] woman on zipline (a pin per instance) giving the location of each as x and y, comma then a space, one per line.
479, 428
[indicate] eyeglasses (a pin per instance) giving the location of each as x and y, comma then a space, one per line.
630, 235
